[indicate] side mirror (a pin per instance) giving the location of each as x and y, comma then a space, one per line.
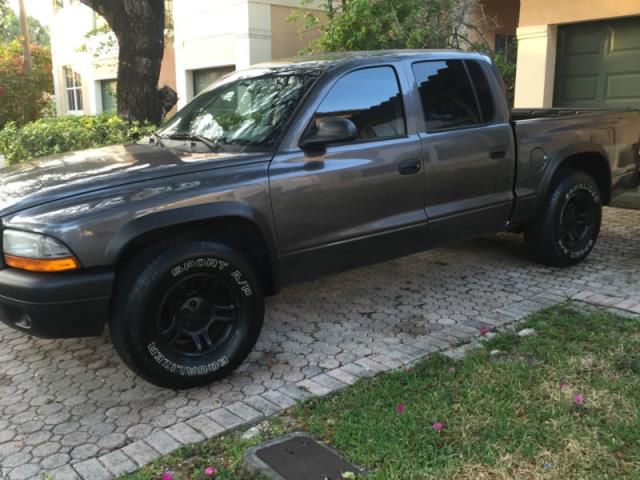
330, 130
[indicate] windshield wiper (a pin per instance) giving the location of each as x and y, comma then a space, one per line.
213, 146
158, 139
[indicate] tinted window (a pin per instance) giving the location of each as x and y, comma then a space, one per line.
447, 97
371, 99
483, 90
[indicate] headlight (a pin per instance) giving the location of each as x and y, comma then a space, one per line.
36, 252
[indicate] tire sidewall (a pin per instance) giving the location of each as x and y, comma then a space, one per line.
160, 365
567, 188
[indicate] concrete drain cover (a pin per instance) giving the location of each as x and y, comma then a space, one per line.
298, 457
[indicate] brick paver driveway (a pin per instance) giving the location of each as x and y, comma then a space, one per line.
69, 407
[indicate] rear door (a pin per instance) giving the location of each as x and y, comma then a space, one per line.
469, 151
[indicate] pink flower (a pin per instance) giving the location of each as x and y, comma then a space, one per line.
438, 426
167, 476
210, 472
484, 331
579, 398
563, 385
400, 408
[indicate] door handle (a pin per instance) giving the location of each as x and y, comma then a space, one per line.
409, 167
498, 152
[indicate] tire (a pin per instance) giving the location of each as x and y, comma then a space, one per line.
568, 227
187, 316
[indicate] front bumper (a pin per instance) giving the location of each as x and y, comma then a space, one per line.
60, 305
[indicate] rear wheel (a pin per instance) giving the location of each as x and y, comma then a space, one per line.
568, 227
188, 317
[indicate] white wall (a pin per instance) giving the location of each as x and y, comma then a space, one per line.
218, 33
69, 25
536, 66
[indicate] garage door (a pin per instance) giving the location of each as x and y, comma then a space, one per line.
598, 64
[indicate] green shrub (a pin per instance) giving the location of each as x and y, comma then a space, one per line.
52, 135
22, 96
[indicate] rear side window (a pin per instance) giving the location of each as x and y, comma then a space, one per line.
371, 99
447, 96
483, 90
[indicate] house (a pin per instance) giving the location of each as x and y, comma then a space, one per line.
570, 53
204, 40
578, 53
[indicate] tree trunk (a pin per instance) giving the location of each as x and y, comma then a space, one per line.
139, 27
26, 41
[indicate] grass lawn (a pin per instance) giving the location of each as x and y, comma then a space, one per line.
561, 404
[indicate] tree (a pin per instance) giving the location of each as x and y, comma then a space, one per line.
10, 29
139, 28
384, 24
22, 96
348, 25
26, 41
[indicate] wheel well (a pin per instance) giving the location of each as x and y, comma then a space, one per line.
596, 166
235, 232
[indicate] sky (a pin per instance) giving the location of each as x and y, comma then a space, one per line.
40, 9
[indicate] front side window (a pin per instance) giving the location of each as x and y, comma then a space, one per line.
245, 112
371, 99
448, 99
73, 86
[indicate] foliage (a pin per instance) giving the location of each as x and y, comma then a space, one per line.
386, 24
560, 403
63, 134
10, 29
506, 63
383, 24
22, 96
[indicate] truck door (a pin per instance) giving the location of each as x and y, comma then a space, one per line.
358, 201
469, 151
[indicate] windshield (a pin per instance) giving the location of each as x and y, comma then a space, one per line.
242, 112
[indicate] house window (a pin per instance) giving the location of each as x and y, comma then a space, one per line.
504, 42
205, 77
108, 94
74, 90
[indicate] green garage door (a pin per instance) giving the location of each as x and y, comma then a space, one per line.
598, 64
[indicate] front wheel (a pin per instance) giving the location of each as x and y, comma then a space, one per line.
189, 317
568, 227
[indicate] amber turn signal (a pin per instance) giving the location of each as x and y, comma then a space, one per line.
41, 264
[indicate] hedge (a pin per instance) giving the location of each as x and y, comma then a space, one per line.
64, 134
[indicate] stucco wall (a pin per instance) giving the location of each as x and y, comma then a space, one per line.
287, 39
500, 16
168, 67
542, 12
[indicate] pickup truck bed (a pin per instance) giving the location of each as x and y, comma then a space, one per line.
562, 133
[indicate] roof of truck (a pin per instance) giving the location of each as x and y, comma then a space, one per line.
333, 59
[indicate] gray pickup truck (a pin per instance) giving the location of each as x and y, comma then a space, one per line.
285, 172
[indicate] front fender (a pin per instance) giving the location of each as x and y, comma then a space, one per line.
187, 215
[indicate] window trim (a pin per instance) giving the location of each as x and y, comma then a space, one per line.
76, 88
475, 97
363, 140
